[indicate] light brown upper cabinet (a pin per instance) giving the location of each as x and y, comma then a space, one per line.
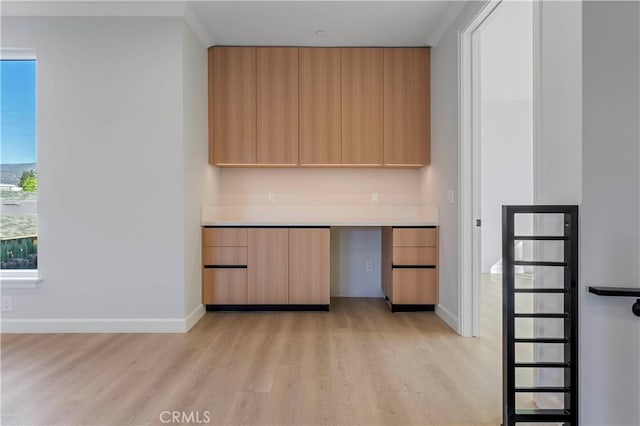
362, 106
319, 103
407, 109
277, 100
321, 106
232, 105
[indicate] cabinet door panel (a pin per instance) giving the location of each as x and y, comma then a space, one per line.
415, 286
224, 255
407, 106
415, 255
232, 98
224, 286
415, 237
224, 237
320, 134
309, 269
268, 266
362, 106
277, 100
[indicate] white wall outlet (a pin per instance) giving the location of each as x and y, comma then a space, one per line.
450, 196
7, 303
368, 266
375, 198
271, 198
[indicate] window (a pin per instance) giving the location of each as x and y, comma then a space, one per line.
18, 168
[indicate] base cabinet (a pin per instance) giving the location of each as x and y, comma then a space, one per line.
266, 266
309, 277
410, 266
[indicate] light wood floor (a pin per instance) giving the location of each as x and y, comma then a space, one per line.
357, 365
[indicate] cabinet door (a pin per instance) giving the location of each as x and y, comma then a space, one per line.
224, 286
268, 266
362, 106
319, 103
407, 110
415, 286
232, 100
309, 269
277, 98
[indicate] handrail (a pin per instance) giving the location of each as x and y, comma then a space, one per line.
619, 292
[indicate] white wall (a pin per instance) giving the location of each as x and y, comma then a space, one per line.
506, 121
200, 179
319, 187
557, 127
351, 248
610, 214
558, 130
442, 174
111, 193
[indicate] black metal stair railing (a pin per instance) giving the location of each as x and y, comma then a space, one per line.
569, 414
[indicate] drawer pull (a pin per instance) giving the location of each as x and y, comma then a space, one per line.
226, 266
413, 266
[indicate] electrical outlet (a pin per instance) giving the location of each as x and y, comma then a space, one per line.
271, 198
368, 266
7, 303
375, 198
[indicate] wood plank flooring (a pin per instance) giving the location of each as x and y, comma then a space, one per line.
356, 365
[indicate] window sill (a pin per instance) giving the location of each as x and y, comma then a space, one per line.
19, 279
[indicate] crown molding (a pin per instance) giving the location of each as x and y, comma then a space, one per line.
93, 8
121, 8
194, 22
445, 23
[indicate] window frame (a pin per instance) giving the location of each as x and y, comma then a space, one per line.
19, 278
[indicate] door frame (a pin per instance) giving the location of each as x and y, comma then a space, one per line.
469, 237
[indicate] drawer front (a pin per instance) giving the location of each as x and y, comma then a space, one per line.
414, 255
415, 286
224, 286
415, 237
224, 256
224, 237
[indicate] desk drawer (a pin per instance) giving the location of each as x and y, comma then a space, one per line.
224, 286
414, 255
415, 237
224, 237
415, 286
224, 256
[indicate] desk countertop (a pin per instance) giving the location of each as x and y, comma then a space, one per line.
291, 216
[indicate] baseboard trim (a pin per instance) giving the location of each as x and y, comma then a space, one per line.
446, 316
194, 317
367, 295
266, 308
102, 325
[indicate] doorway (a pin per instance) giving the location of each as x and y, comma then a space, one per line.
496, 145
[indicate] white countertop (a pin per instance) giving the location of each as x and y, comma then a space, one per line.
319, 216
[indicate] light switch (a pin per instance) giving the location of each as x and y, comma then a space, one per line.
450, 196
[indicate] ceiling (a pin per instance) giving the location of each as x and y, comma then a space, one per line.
345, 23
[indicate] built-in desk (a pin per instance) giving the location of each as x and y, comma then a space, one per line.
280, 262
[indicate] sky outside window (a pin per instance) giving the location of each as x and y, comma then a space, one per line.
18, 180
18, 111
